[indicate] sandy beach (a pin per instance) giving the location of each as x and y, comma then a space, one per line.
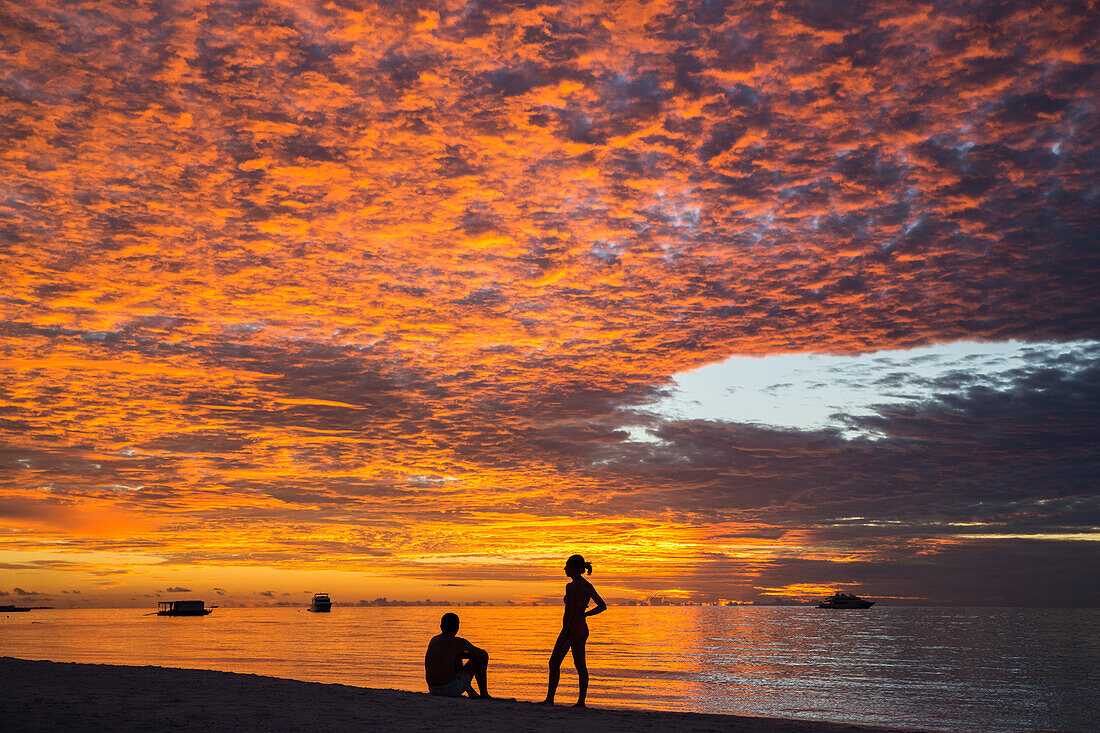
51, 696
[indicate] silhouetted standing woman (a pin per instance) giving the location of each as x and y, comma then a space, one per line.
574, 626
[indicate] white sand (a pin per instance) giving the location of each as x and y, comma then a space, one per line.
50, 696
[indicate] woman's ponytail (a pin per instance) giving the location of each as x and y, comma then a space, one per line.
577, 561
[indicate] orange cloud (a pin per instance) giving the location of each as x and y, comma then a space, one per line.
384, 287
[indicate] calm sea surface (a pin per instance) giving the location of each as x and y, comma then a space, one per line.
928, 668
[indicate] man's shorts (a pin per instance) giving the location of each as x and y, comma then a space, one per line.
455, 687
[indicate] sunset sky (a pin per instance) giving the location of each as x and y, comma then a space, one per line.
741, 300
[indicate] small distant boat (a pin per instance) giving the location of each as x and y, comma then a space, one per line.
321, 603
844, 600
182, 608
12, 609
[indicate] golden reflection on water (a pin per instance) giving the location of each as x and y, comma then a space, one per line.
946, 669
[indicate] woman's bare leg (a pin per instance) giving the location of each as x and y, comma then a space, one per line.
556, 657
582, 670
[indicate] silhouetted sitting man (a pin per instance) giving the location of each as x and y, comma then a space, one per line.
444, 669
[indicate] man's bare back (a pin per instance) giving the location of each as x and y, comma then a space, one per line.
444, 657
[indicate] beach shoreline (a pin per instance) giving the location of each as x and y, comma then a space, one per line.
49, 696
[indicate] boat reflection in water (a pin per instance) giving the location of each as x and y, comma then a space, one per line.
182, 608
320, 603
844, 600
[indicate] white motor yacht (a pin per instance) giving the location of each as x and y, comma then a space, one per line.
844, 600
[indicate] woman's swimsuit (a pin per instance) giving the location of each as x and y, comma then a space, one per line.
578, 628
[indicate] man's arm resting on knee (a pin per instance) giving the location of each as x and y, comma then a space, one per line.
469, 651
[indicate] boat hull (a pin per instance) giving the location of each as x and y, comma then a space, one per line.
203, 612
320, 609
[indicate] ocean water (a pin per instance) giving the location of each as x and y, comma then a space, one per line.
947, 669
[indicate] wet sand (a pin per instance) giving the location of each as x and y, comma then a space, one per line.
52, 696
